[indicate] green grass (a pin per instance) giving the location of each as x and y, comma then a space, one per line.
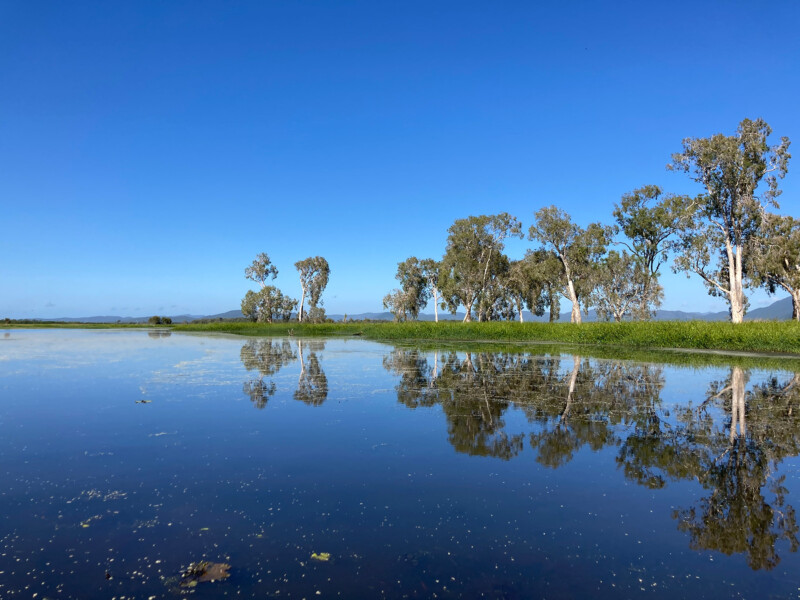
769, 337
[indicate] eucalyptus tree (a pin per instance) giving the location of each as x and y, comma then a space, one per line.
414, 284
397, 302
414, 290
267, 305
577, 249
624, 288
550, 273
474, 258
776, 258
726, 218
430, 271
495, 302
314, 272
525, 285
261, 270
649, 219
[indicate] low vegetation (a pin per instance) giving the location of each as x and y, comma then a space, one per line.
780, 337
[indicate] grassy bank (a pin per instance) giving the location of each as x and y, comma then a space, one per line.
782, 337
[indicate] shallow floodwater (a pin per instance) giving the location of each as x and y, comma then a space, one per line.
352, 469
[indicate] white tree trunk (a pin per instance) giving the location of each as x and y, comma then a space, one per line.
738, 382
300, 310
576, 308
302, 362
435, 305
519, 305
796, 305
468, 306
576, 365
737, 306
735, 289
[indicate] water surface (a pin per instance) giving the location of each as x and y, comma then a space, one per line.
127, 455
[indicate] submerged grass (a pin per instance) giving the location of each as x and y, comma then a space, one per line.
767, 336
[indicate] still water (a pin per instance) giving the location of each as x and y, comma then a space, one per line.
347, 468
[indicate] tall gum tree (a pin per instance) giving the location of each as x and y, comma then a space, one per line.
261, 269
314, 272
430, 270
414, 283
624, 289
525, 284
726, 218
649, 219
776, 258
577, 249
414, 291
473, 259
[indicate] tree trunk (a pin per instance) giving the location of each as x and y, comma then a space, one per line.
553, 314
300, 310
738, 382
576, 365
735, 294
468, 306
302, 362
435, 306
519, 306
575, 317
736, 299
796, 305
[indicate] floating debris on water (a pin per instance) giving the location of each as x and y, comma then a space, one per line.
204, 571
321, 557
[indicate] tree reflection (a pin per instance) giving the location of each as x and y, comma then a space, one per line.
159, 333
731, 443
312, 386
472, 393
268, 356
745, 510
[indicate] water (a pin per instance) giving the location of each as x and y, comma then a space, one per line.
127, 455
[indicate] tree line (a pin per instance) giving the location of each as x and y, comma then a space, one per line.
731, 442
269, 304
726, 235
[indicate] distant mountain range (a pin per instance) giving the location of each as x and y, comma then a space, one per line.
779, 310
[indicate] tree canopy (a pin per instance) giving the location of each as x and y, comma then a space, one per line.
716, 241
314, 272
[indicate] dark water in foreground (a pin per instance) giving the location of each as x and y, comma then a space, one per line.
423, 474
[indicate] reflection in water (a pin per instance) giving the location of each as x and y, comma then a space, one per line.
745, 510
268, 356
732, 443
159, 333
312, 386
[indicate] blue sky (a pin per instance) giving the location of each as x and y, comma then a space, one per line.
149, 150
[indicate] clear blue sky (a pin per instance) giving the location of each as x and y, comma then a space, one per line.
149, 150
